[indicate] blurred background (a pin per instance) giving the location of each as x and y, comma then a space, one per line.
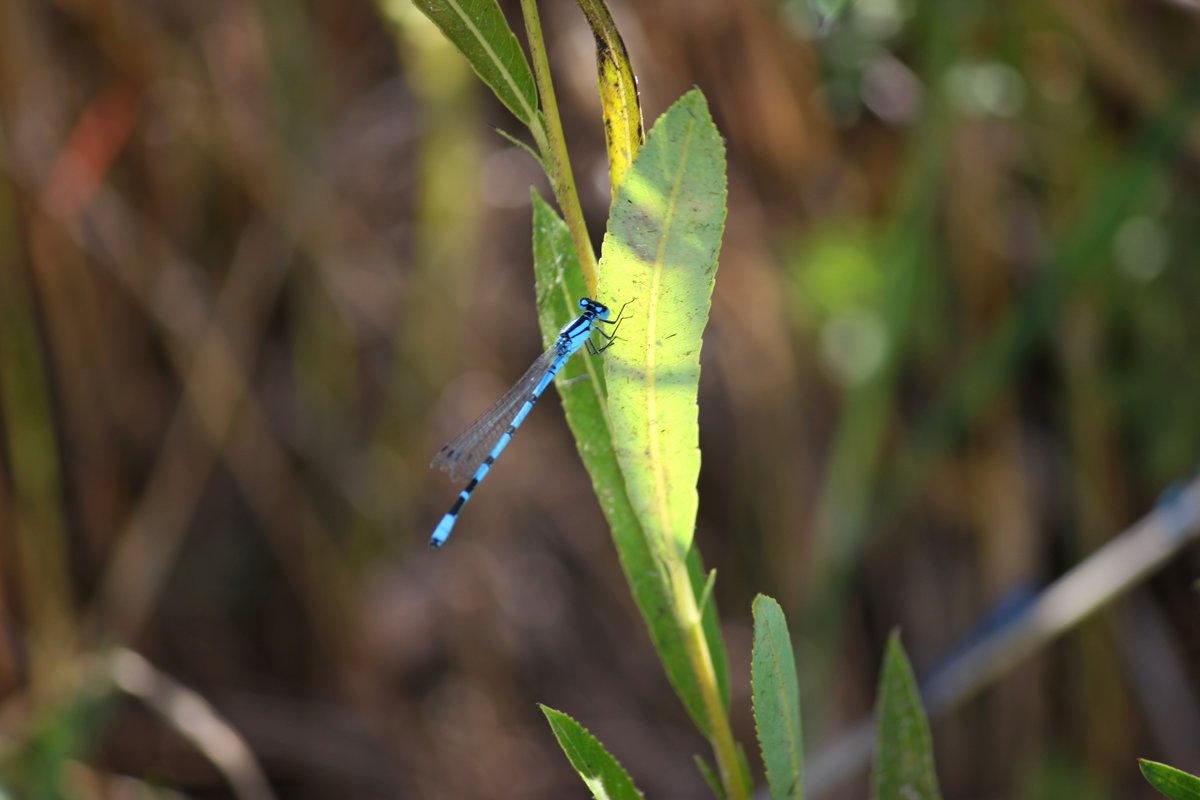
260, 259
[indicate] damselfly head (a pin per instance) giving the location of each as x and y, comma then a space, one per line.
599, 310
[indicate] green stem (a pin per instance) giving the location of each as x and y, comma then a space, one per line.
553, 146
690, 618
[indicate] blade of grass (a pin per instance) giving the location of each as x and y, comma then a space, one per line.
31, 478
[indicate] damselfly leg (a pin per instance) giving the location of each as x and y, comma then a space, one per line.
609, 337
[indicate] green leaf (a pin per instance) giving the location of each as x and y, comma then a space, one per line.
744, 770
481, 33
702, 585
63, 732
776, 701
710, 777
623, 132
1174, 783
607, 779
535, 155
705, 595
559, 287
827, 12
903, 751
660, 252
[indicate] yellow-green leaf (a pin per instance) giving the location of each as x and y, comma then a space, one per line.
581, 387
623, 132
660, 253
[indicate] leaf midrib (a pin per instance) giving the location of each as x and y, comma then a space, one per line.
655, 448
504, 71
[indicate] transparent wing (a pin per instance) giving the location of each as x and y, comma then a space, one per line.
462, 455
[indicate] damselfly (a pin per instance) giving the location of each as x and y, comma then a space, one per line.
475, 450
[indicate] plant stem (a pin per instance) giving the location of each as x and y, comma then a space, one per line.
553, 146
690, 617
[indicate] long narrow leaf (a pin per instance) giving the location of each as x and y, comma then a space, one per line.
607, 779
660, 252
904, 750
559, 287
481, 33
702, 584
1174, 783
710, 777
623, 132
776, 701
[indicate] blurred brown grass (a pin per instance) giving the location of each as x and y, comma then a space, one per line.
258, 260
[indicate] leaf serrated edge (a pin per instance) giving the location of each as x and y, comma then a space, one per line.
555, 718
792, 721
897, 673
